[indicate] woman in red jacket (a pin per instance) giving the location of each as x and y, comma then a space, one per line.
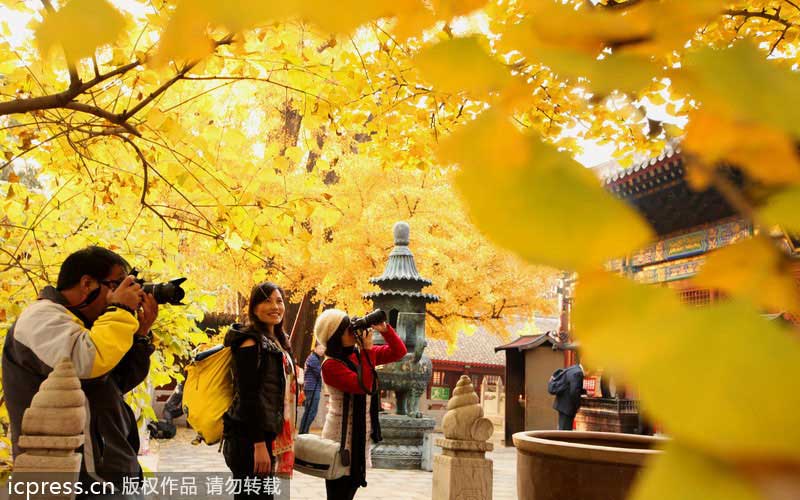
343, 355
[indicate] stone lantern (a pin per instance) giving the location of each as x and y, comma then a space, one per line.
402, 299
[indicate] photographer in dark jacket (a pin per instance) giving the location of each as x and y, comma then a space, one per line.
99, 318
257, 433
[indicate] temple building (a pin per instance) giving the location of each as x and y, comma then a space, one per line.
689, 224
476, 356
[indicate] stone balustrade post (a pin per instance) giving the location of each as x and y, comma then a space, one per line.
462, 471
52, 429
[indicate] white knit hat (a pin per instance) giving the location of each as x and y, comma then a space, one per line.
327, 323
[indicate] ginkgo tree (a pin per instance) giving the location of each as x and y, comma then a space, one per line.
278, 138
229, 175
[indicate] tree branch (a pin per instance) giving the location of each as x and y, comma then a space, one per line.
22, 268
778, 41
145, 168
621, 4
790, 2
255, 79
188, 67
65, 99
60, 99
111, 117
747, 14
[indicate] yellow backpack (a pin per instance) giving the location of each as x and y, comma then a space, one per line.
208, 392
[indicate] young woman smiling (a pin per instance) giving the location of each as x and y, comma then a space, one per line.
259, 426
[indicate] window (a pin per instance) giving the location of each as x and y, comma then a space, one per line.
438, 378
696, 297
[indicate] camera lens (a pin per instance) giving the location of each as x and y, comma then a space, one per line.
373, 318
166, 293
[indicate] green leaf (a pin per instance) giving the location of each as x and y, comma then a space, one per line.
728, 391
531, 198
462, 64
682, 473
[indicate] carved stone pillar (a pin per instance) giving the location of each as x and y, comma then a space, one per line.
462, 471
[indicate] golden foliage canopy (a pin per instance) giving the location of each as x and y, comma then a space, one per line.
265, 139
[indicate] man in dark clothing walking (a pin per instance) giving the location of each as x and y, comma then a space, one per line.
312, 387
100, 318
568, 400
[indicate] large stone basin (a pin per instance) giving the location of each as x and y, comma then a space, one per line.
568, 465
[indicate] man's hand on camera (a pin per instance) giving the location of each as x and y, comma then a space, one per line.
381, 327
147, 314
128, 293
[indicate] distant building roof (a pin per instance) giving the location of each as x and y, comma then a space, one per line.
479, 348
556, 340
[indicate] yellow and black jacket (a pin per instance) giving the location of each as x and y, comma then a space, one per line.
107, 360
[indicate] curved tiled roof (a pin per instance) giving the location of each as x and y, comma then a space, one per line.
401, 266
621, 175
479, 348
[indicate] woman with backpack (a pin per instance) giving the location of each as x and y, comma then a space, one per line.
259, 426
349, 373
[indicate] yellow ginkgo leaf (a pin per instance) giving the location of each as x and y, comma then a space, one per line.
783, 209
462, 64
675, 22
446, 9
345, 16
588, 30
765, 152
236, 15
672, 129
412, 23
234, 241
640, 332
625, 72
80, 27
529, 197
688, 475
185, 38
755, 270
186, 35
740, 82
491, 141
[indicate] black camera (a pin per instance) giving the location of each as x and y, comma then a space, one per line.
169, 292
374, 318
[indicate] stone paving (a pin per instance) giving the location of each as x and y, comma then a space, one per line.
179, 455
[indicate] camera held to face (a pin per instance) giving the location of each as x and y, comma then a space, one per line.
169, 292
362, 324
